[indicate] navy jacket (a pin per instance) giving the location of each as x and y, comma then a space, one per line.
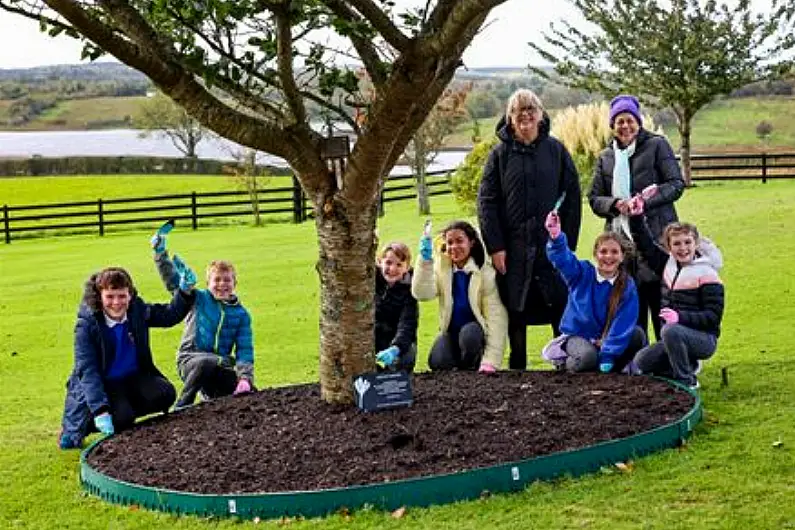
396, 314
94, 354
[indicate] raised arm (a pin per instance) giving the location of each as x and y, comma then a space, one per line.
171, 314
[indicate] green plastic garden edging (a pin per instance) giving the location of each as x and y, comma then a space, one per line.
426, 491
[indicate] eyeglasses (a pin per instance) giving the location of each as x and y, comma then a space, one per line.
527, 108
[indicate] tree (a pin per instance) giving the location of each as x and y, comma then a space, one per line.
246, 71
677, 53
248, 176
162, 116
449, 112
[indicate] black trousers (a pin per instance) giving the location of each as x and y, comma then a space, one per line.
462, 350
519, 320
138, 395
650, 301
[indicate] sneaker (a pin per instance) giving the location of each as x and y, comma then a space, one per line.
65, 442
694, 386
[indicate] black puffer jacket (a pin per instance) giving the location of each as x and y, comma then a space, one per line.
519, 188
396, 314
653, 162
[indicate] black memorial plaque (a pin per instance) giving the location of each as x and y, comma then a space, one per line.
383, 390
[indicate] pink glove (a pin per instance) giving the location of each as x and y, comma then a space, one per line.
243, 387
552, 225
669, 315
486, 368
636, 205
649, 192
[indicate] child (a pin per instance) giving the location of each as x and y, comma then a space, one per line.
472, 319
395, 309
114, 380
598, 326
216, 325
692, 300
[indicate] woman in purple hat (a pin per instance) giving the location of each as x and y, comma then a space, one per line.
637, 174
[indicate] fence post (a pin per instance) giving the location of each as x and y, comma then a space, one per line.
764, 168
194, 207
6, 222
298, 201
101, 217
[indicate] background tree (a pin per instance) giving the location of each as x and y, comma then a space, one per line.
448, 113
249, 177
159, 115
246, 71
677, 53
763, 131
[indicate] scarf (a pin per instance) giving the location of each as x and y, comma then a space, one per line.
622, 185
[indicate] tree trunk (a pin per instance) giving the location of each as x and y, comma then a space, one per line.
420, 169
684, 150
346, 266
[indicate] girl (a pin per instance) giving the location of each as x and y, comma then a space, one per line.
472, 319
692, 300
395, 309
598, 326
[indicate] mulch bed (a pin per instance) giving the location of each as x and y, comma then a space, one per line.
287, 439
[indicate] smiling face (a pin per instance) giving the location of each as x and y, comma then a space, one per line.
457, 246
221, 284
392, 268
609, 256
525, 120
625, 128
682, 247
115, 302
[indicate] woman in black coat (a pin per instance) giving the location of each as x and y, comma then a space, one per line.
526, 175
641, 165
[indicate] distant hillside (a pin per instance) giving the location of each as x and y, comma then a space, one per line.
102, 71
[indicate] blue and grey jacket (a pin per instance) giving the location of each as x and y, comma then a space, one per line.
222, 327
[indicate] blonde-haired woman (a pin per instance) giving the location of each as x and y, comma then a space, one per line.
528, 174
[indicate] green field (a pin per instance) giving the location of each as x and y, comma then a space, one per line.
729, 475
80, 114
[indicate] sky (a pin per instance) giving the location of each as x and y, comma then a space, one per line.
503, 42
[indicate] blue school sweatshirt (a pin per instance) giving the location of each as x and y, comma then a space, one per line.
589, 299
125, 359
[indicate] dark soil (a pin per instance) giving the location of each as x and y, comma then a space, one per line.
287, 439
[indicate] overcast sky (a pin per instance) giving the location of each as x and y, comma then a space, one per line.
502, 43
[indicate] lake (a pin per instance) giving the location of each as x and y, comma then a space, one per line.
126, 142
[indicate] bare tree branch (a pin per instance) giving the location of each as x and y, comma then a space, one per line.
284, 55
365, 48
381, 22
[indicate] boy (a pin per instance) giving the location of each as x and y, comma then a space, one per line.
114, 380
216, 354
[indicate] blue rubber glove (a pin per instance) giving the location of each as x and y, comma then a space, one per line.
104, 424
426, 248
605, 367
158, 240
389, 356
187, 278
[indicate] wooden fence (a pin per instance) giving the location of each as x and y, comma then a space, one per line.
288, 202
279, 203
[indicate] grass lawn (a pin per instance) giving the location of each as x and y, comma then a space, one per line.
728, 476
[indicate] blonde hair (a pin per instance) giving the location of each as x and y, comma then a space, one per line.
522, 98
221, 266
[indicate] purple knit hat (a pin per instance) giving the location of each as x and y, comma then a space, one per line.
625, 103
